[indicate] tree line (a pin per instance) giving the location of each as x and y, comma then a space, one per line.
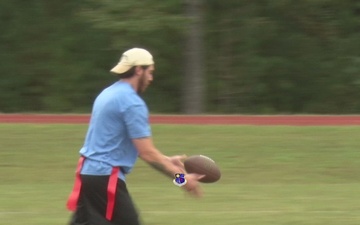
258, 57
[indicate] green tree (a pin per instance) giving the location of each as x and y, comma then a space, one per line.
171, 30
283, 56
47, 53
259, 56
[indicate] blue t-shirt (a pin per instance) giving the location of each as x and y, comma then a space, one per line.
118, 116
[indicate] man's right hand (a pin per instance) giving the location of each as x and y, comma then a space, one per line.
192, 185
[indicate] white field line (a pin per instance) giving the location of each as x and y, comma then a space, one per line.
246, 212
213, 212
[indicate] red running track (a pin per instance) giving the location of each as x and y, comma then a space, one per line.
291, 120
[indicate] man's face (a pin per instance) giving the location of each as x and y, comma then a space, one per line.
145, 78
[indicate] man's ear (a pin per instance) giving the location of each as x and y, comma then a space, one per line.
138, 70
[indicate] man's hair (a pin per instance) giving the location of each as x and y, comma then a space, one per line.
130, 72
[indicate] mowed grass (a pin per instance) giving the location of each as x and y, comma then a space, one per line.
271, 175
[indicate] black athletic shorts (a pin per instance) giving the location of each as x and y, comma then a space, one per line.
91, 208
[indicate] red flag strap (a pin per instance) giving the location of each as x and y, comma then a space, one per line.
74, 196
111, 190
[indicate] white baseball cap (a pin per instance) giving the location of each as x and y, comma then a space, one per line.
133, 57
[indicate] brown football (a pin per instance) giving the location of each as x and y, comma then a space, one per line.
204, 165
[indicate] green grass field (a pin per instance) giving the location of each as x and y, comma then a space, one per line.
274, 175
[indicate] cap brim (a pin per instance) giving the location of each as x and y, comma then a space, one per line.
120, 68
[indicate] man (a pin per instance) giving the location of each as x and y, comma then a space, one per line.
118, 133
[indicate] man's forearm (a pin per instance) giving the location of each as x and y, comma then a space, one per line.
161, 168
162, 164
155, 158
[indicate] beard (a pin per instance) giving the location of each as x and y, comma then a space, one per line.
142, 84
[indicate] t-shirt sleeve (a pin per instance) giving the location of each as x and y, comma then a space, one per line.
137, 121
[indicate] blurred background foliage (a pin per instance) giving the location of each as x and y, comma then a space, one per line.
258, 57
